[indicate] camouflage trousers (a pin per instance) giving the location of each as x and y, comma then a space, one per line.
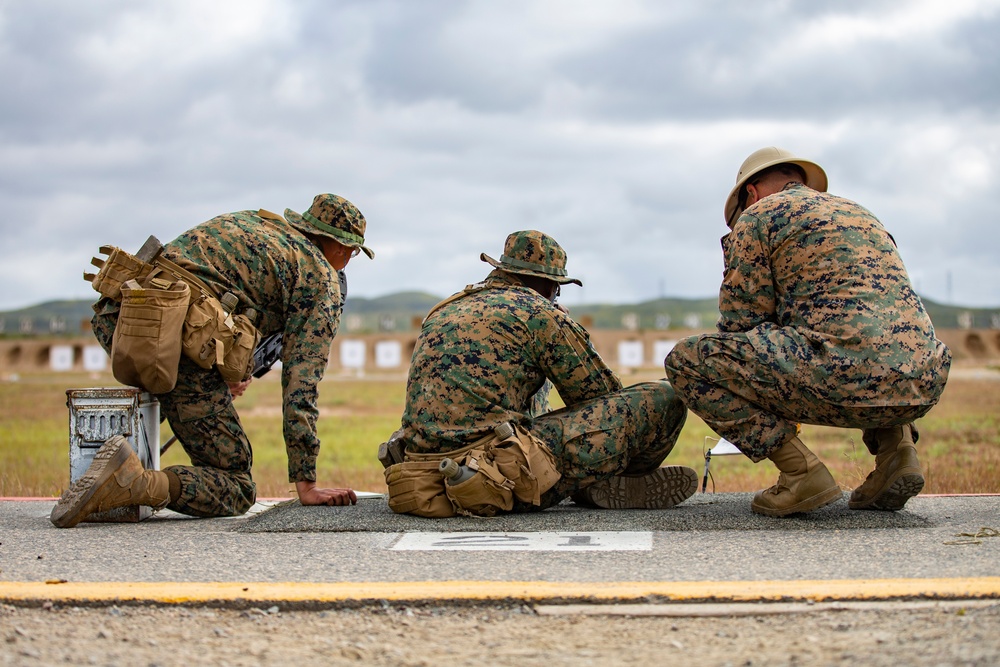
201, 414
628, 432
721, 379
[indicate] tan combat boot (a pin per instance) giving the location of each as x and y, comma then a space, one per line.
804, 484
897, 476
115, 478
657, 490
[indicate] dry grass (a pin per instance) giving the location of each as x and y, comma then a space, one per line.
959, 444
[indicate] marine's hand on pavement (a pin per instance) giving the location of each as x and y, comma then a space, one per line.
309, 494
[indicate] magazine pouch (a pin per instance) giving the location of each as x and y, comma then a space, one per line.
214, 337
528, 463
115, 271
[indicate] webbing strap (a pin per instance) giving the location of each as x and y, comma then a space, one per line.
469, 289
454, 453
182, 273
477, 461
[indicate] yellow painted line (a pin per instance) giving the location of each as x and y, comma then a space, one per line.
535, 591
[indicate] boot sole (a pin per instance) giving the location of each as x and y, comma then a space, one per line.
69, 509
903, 486
660, 489
823, 499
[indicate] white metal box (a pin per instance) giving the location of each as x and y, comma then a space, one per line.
98, 413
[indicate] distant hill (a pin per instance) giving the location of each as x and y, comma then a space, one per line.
696, 313
656, 314
957, 317
55, 317
403, 311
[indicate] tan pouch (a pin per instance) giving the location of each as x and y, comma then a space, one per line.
213, 338
416, 487
528, 463
115, 271
485, 493
204, 318
146, 348
239, 340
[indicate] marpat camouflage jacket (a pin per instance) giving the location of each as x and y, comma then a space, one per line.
277, 270
481, 358
816, 283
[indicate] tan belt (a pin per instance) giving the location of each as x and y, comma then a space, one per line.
454, 453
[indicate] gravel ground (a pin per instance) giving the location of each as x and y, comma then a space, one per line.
491, 634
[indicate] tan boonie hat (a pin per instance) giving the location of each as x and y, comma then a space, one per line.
335, 218
532, 253
762, 159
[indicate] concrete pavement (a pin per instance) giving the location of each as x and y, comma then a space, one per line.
710, 548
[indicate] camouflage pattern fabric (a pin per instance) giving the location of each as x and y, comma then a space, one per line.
627, 432
275, 269
533, 253
481, 360
819, 324
334, 217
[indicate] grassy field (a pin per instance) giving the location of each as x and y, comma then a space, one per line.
959, 444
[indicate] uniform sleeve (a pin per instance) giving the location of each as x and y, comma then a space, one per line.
569, 360
747, 297
312, 319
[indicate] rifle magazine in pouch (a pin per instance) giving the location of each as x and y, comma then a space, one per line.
115, 271
146, 348
416, 487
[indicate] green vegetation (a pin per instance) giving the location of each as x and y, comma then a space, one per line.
959, 440
656, 314
397, 312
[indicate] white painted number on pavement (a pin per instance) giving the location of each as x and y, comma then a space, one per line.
595, 541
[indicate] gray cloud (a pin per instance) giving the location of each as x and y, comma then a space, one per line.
616, 127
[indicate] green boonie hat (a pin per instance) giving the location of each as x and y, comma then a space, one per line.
532, 253
333, 217
760, 160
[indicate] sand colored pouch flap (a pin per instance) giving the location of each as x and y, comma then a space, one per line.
417, 487
214, 338
115, 271
483, 494
528, 463
146, 348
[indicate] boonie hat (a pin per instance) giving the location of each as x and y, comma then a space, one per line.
333, 217
532, 253
768, 157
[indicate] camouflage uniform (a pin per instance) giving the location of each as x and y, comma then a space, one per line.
819, 324
480, 361
274, 268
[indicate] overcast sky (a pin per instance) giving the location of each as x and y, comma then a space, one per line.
616, 126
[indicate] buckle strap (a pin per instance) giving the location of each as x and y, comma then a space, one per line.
194, 281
